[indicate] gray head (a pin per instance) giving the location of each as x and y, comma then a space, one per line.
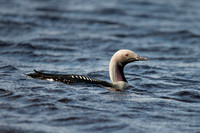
125, 56
119, 60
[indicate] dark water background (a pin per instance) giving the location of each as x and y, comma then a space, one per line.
79, 37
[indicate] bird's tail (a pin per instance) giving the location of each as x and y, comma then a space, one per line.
39, 75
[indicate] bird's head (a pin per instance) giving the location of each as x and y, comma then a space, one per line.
125, 56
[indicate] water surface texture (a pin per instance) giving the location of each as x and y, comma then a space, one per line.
79, 37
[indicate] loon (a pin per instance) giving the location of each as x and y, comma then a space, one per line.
116, 72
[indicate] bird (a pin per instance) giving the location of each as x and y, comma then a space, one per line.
116, 71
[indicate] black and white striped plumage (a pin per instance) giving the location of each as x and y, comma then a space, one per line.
68, 79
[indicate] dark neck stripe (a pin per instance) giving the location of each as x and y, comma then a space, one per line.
120, 73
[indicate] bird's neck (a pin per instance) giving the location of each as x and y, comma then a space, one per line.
116, 71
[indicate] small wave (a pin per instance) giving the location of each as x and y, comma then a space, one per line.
84, 107
192, 94
14, 97
18, 53
27, 46
107, 128
35, 100
145, 68
150, 72
185, 80
79, 120
5, 93
49, 9
8, 129
189, 96
14, 46
5, 44
7, 106
72, 118
110, 11
48, 39
65, 100
168, 58
49, 17
183, 34
8, 68
172, 35
14, 23
98, 21
142, 3
152, 85
40, 105
82, 59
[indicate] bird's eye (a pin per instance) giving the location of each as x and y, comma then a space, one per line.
126, 55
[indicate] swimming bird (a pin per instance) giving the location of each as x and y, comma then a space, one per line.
116, 72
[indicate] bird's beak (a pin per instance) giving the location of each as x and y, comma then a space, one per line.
139, 58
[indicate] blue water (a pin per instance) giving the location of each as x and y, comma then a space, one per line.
79, 37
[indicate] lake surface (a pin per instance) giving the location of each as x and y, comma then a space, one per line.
79, 37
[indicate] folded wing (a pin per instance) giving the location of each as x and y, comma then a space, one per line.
68, 79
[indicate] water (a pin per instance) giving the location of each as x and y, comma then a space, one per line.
79, 37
